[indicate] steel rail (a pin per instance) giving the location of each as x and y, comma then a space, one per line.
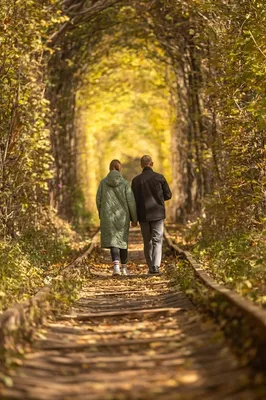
252, 312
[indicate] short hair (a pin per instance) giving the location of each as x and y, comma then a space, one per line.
145, 161
115, 165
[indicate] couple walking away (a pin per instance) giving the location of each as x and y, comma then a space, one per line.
118, 204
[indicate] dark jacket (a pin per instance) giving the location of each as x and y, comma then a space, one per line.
150, 190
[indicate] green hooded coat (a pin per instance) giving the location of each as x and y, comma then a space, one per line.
116, 206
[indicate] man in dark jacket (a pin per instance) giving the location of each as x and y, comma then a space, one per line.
151, 190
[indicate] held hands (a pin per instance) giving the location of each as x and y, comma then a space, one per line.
134, 224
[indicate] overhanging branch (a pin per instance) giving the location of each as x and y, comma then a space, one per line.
78, 15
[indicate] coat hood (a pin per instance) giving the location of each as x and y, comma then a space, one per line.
114, 179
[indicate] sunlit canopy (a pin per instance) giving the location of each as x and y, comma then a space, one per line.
124, 111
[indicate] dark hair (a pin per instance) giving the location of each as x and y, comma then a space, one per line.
146, 161
115, 165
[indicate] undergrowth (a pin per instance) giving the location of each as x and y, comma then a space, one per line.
29, 262
237, 259
65, 288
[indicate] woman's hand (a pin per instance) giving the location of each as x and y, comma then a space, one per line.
134, 224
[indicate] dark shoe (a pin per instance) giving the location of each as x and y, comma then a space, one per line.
155, 270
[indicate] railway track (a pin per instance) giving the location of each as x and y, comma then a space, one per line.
135, 337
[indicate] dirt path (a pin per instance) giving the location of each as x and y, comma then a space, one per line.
133, 337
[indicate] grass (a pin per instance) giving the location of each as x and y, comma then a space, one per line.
236, 260
30, 261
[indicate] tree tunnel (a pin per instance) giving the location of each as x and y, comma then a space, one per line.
123, 111
128, 78
119, 92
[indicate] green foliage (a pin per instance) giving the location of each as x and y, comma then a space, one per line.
18, 277
237, 92
66, 287
231, 233
227, 40
83, 218
25, 157
25, 263
238, 261
123, 111
216, 52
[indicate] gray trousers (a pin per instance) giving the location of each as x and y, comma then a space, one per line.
152, 233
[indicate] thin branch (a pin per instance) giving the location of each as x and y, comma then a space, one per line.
89, 16
91, 9
82, 16
258, 47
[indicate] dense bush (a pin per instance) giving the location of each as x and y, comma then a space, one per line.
25, 149
28, 262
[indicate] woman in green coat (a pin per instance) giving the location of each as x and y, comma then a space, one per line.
116, 206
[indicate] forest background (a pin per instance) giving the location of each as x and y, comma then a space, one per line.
82, 80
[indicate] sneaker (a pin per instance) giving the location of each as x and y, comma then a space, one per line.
116, 270
155, 270
124, 271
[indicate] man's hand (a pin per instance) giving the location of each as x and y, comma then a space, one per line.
134, 224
